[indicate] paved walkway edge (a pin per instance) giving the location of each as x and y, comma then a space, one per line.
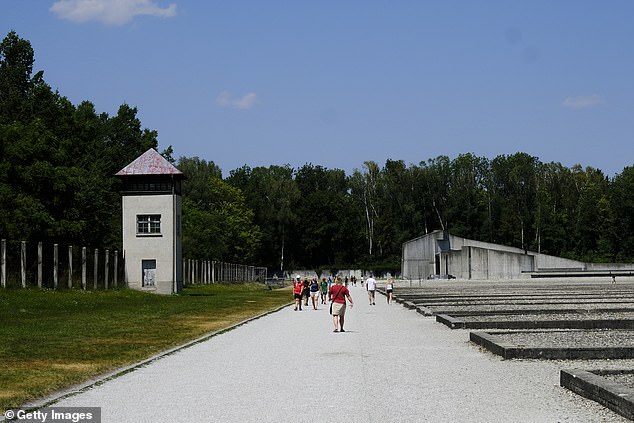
96, 381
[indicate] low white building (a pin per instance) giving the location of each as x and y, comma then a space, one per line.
151, 207
442, 255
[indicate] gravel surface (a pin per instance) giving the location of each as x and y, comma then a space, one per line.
625, 315
392, 365
625, 379
569, 338
448, 309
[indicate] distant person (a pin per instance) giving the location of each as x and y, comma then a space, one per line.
324, 290
314, 292
298, 289
338, 295
370, 284
306, 291
389, 287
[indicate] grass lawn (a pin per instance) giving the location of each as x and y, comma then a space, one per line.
54, 339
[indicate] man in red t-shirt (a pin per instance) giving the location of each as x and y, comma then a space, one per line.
298, 288
338, 294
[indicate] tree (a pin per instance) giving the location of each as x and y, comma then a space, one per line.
16, 66
364, 187
216, 221
273, 195
622, 201
466, 203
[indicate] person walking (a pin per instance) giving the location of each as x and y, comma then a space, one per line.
338, 295
298, 288
324, 290
306, 291
314, 292
370, 284
389, 288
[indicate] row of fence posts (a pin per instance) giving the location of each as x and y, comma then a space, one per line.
84, 255
210, 271
194, 271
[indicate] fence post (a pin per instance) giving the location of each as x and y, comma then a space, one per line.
83, 268
70, 267
95, 268
116, 268
55, 265
23, 262
106, 263
3, 257
40, 254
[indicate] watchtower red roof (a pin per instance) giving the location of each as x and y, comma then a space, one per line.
149, 163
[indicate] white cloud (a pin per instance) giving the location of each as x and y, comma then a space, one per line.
583, 102
110, 12
247, 101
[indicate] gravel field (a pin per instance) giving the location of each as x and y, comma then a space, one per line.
448, 309
625, 315
520, 301
569, 338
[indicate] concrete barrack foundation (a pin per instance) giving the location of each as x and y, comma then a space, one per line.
592, 385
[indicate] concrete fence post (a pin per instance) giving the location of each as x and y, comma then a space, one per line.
95, 270
106, 264
40, 258
55, 265
116, 268
23, 263
3, 264
83, 268
70, 267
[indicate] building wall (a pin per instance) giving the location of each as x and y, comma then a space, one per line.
418, 256
164, 248
469, 259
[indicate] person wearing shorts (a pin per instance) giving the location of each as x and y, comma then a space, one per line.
298, 288
338, 295
389, 288
370, 285
314, 292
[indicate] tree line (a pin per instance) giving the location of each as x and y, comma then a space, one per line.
58, 160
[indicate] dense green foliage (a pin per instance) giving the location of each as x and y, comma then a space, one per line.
57, 163
57, 160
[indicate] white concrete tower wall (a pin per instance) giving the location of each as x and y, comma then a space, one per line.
150, 246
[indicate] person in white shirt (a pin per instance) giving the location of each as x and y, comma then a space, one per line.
370, 285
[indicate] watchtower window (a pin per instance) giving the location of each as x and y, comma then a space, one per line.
148, 224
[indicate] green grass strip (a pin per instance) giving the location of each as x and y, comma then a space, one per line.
55, 339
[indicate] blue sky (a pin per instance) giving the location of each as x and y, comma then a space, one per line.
336, 83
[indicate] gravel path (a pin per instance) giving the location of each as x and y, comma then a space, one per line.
392, 364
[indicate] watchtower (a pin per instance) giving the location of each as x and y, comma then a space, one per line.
151, 207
